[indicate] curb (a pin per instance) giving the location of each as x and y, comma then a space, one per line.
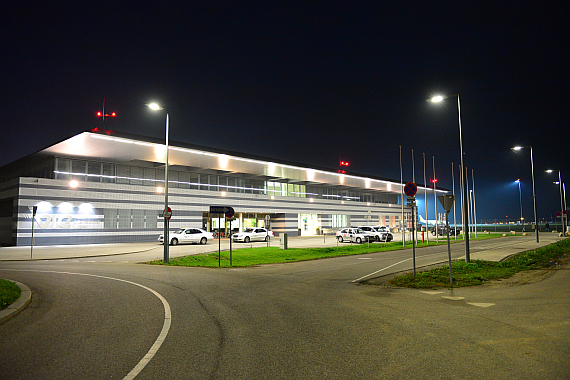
77, 257
19, 305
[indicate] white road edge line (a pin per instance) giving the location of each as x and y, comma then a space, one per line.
165, 327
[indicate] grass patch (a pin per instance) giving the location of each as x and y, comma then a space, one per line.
9, 292
246, 257
478, 271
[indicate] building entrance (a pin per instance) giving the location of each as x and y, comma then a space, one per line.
309, 224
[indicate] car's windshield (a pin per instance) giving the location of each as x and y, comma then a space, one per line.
250, 229
179, 231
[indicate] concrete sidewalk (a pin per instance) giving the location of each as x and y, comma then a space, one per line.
503, 248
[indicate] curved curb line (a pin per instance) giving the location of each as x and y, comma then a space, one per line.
17, 306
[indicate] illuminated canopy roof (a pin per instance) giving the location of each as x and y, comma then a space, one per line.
110, 146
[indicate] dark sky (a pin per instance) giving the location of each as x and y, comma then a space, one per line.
306, 81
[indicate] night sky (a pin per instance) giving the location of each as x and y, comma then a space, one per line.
310, 81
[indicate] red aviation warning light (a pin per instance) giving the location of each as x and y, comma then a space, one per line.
103, 115
344, 163
434, 180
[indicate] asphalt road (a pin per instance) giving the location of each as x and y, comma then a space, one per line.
307, 320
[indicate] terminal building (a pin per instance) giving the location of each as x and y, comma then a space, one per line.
102, 186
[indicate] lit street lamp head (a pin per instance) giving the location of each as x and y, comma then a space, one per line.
517, 148
154, 107
436, 99
549, 171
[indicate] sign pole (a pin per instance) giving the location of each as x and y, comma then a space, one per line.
413, 240
447, 201
231, 243
448, 248
34, 210
219, 241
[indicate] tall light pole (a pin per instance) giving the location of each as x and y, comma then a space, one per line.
520, 201
438, 99
425, 200
454, 208
516, 149
156, 107
562, 218
474, 205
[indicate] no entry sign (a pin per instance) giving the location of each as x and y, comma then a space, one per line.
410, 189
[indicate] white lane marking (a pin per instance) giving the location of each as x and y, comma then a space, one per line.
430, 292
380, 270
453, 298
390, 266
365, 258
165, 326
481, 304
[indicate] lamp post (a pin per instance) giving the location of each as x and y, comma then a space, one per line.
438, 99
520, 201
562, 201
156, 107
516, 149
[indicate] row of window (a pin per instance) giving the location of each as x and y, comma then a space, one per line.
91, 171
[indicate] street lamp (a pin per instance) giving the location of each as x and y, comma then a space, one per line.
562, 201
520, 201
516, 149
437, 99
156, 107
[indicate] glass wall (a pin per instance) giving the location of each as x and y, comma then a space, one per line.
94, 171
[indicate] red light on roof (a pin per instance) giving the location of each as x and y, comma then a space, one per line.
434, 180
344, 163
113, 114
99, 114
342, 171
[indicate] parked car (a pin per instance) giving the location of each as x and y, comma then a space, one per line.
382, 228
381, 233
252, 234
442, 231
354, 235
188, 235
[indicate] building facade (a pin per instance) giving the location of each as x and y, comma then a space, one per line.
108, 187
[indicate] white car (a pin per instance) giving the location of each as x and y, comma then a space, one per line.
188, 235
382, 228
382, 233
354, 235
252, 234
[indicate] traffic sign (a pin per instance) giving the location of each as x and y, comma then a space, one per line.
446, 201
558, 214
410, 189
219, 209
166, 214
230, 213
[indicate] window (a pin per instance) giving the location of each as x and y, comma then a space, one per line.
184, 178
108, 171
62, 165
94, 168
213, 181
173, 178
204, 181
339, 221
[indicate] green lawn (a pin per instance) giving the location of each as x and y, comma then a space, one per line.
477, 272
245, 257
9, 292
